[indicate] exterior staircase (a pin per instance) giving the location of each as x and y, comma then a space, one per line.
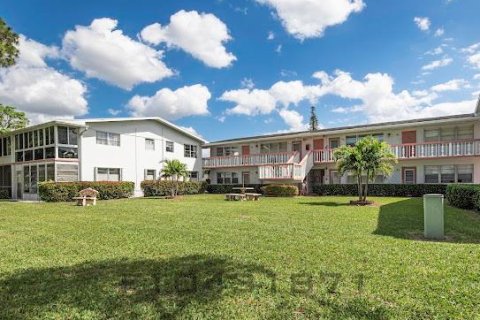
292, 171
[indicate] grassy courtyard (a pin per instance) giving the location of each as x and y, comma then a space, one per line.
200, 257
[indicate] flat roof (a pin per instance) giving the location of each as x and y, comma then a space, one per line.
372, 126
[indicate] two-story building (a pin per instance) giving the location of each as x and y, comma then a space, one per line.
115, 149
434, 150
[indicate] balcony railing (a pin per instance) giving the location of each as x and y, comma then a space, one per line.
287, 171
251, 160
425, 150
437, 149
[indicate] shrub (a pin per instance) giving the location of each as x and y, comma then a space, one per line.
4, 194
164, 187
280, 190
228, 188
66, 191
463, 196
381, 190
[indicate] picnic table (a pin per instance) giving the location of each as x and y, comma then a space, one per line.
243, 189
243, 195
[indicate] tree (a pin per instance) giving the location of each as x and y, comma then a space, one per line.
8, 45
313, 120
174, 169
11, 119
367, 159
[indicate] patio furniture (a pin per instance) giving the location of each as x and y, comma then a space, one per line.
252, 196
243, 189
235, 197
86, 197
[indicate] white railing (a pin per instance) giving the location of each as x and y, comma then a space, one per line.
325, 155
437, 149
418, 150
251, 160
287, 171
301, 170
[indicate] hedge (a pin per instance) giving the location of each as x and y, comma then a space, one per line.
164, 188
4, 194
280, 190
66, 191
464, 196
381, 190
228, 188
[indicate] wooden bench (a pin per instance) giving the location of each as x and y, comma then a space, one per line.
87, 197
253, 196
234, 196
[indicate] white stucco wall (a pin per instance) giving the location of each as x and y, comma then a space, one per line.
131, 156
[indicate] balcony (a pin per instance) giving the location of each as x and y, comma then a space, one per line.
294, 172
251, 160
427, 150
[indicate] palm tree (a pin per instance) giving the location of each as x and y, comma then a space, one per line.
174, 169
367, 159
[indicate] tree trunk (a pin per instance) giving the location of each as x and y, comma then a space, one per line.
360, 191
366, 188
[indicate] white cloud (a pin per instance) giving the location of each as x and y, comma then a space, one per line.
192, 131
104, 52
452, 85
172, 105
438, 64
270, 35
202, 35
439, 32
278, 49
114, 112
249, 102
435, 52
423, 23
309, 19
39, 90
247, 83
476, 77
471, 49
293, 119
475, 60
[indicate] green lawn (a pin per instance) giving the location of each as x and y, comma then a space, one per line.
200, 257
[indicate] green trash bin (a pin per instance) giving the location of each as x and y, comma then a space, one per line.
433, 216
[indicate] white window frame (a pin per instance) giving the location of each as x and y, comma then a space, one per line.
149, 144
190, 151
120, 173
455, 168
108, 139
169, 146
154, 174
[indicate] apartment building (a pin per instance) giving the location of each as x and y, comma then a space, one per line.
433, 150
114, 149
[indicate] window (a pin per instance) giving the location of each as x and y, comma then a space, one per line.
5, 147
334, 143
49, 136
49, 153
448, 134
67, 172
193, 175
169, 146
352, 179
108, 174
352, 140
226, 151
62, 133
108, 138
50, 172
149, 144
28, 155
449, 174
190, 151
150, 174
227, 178
67, 153
39, 154
273, 147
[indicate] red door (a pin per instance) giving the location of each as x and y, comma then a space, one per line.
318, 144
409, 138
245, 150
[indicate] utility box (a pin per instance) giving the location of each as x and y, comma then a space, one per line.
433, 216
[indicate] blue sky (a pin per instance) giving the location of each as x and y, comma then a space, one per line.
237, 68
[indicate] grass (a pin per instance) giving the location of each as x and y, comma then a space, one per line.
200, 257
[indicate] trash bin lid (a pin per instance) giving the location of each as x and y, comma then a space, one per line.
433, 195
